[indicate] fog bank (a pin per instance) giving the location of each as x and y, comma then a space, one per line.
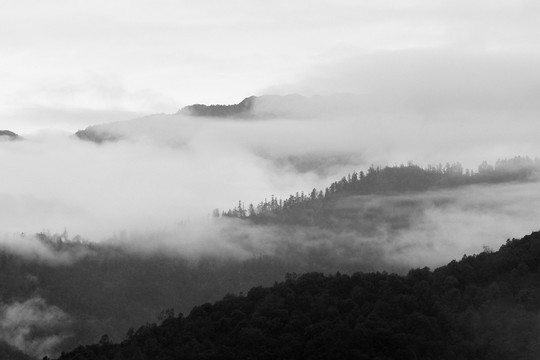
33, 326
167, 169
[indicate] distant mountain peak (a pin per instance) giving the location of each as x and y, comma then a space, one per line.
275, 106
10, 135
242, 109
94, 134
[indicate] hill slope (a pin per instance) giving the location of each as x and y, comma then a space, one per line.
482, 307
319, 207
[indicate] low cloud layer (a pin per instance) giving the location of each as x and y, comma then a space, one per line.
169, 169
33, 326
386, 232
392, 232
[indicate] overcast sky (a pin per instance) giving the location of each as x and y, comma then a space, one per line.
68, 64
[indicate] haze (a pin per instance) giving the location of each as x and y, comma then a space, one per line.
391, 83
67, 65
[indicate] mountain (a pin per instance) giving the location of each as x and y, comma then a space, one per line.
145, 127
265, 107
242, 109
94, 134
10, 135
173, 128
272, 106
484, 306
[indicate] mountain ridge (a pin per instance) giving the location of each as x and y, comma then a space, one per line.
9, 134
263, 107
482, 306
242, 109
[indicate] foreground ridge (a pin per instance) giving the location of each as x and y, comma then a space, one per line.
481, 307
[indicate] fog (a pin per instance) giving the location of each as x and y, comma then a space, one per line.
387, 232
33, 326
383, 84
393, 232
436, 227
165, 170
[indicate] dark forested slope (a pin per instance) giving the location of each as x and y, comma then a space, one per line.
481, 307
318, 207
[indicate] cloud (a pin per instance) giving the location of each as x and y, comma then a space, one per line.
376, 232
56, 182
33, 326
53, 251
433, 82
74, 103
435, 227
165, 169
424, 82
212, 52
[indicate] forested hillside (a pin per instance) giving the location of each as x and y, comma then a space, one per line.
316, 207
484, 306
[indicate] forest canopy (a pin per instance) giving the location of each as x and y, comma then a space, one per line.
481, 307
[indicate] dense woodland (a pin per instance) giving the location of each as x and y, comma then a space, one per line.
484, 306
316, 208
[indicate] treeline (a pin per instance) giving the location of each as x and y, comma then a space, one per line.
482, 307
235, 110
312, 208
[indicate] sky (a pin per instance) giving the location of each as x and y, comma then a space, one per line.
69, 64
384, 83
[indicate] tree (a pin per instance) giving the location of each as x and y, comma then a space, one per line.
251, 211
104, 340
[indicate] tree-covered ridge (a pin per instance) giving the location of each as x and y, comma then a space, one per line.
481, 307
313, 208
236, 110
